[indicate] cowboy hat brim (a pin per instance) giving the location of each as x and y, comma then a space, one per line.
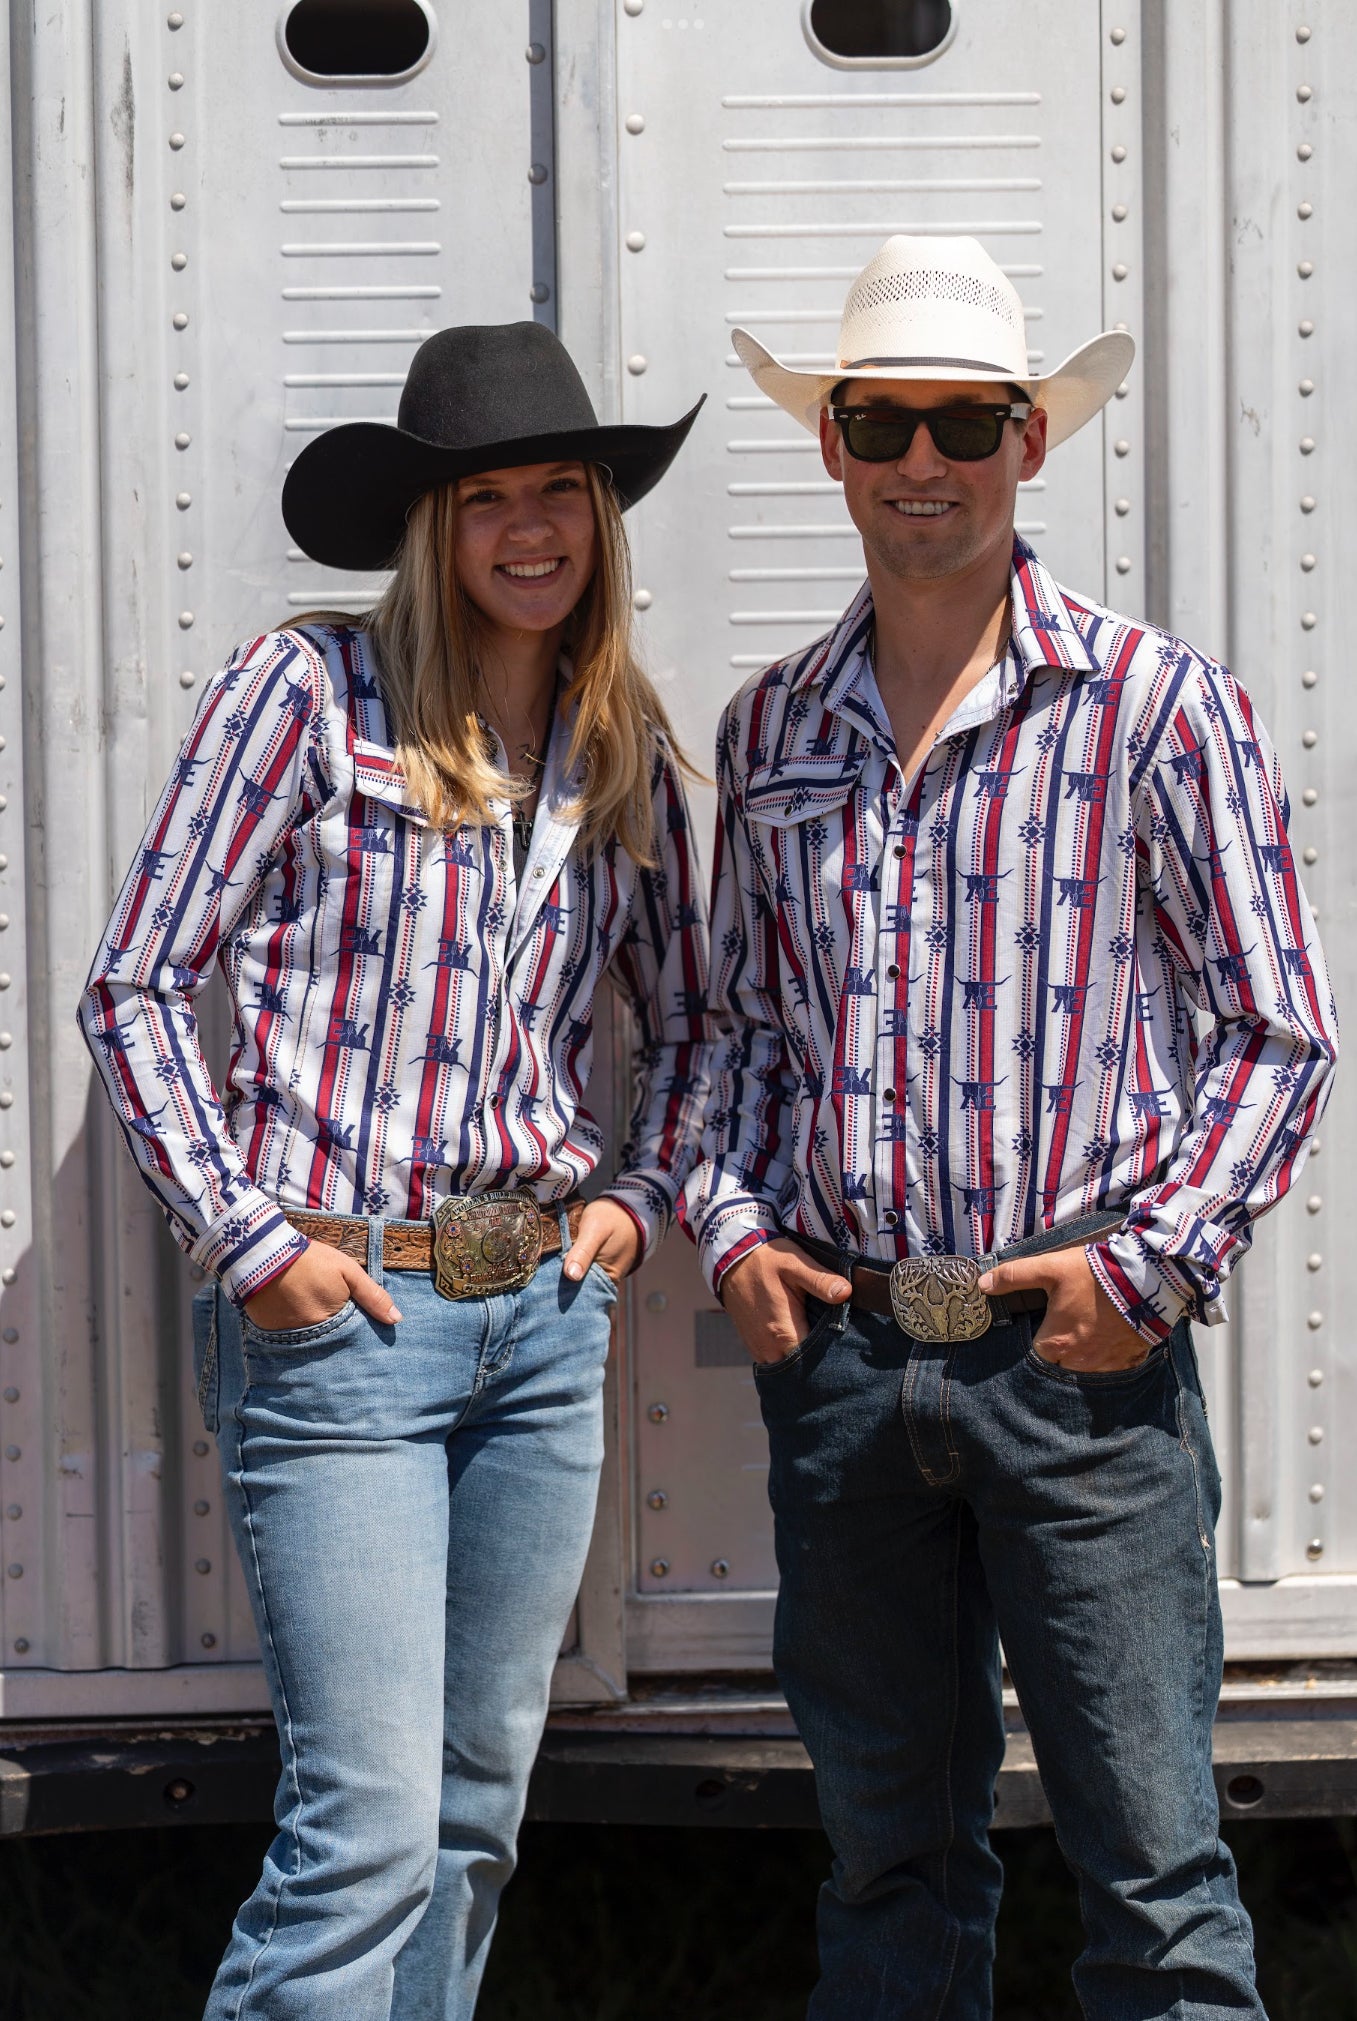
1071, 395
347, 496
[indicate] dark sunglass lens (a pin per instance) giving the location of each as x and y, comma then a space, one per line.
967, 438
878, 438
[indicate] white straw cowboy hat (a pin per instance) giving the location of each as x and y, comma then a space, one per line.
942, 309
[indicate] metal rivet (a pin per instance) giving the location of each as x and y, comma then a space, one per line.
1302, 34
176, 140
1310, 856
200, 1448
1315, 1548
535, 53
1122, 392
11, 1394
539, 292
632, 7
1307, 562
537, 174
657, 1413
636, 242
8, 1218
1305, 268
1309, 738
178, 200
21, 1646
720, 1568
656, 1301
1307, 445
14, 1512
209, 1641
179, 320
175, 80
180, 382
643, 599
1314, 1262
1305, 92
635, 123
6, 1100
174, 20
183, 500
1315, 1435
1313, 1204
1118, 36
1122, 448
1123, 564
1120, 213
4, 921
1314, 1320
1306, 328
184, 560
1317, 1492
1120, 271
182, 441
1122, 507
636, 364
658, 1567
15, 1571
1118, 94
11, 1333
203, 1565
6, 1041
1315, 1378
657, 1499
186, 678
185, 620
1119, 153
179, 261
13, 1453
1306, 388
1309, 678
201, 1508
1305, 210
1308, 621
1304, 151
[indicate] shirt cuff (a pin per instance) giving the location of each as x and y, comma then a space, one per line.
1149, 1291
727, 1236
248, 1246
648, 1205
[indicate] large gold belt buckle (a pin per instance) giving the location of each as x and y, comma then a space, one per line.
936, 1298
485, 1243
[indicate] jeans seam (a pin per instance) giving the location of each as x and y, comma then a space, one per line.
950, 1838
934, 1480
285, 1727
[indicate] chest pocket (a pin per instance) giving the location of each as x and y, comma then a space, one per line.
779, 796
377, 776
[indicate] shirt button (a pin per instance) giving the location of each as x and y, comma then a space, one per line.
894, 970
888, 1094
890, 1217
494, 1101
899, 848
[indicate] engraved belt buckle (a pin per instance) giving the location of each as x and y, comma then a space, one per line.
936, 1298
485, 1243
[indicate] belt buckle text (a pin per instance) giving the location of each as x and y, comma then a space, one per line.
485, 1243
935, 1298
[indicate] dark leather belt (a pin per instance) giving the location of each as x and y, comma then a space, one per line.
477, 1244
937, 1298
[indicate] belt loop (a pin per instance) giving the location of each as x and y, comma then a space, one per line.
376, 1248
563, 1223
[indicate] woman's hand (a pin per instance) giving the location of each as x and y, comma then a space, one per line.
609, 1237
314, 1288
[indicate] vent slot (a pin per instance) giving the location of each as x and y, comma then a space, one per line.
356, 41
882, 34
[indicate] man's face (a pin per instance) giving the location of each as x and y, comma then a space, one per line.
925, 518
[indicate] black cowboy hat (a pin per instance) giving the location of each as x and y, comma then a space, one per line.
482, 397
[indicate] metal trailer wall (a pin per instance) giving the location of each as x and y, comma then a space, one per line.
212, 256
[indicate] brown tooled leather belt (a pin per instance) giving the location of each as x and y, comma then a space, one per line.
409, 1245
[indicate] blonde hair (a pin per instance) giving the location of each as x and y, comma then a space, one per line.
428, 636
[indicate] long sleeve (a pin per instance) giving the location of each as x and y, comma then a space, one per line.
661, 968
251, 767
731, 1200
1235, 931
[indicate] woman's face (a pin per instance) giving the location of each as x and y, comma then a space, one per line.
526, 545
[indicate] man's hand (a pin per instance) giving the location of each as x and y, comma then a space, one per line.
314, 1288
1082, 1329
765, 1294
609, 1237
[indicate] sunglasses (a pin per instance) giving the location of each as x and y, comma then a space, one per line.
961, 434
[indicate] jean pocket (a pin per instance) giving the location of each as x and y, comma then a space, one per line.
1098, 1378
824, 1320
295, 1339
206, 1363
603, 1281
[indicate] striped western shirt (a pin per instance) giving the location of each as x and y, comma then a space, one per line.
409, 1021
1067, 966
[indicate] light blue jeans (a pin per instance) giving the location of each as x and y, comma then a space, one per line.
412, 1505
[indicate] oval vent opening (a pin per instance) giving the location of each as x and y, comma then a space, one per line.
356, 38
880, 31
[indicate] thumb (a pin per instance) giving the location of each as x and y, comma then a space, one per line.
370, 1296
825, 1285
582, 1251
1022, 1274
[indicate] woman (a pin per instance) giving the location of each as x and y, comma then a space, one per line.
415, 844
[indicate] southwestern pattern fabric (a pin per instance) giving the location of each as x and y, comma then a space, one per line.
963, 1010
407, 1022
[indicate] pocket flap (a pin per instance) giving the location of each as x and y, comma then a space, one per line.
779, 795
377, 775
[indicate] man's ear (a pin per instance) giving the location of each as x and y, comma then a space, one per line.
1033, 445
831, 445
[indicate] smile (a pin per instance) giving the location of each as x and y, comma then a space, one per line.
528, 571
922, 508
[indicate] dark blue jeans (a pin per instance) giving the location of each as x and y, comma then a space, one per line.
928, 1501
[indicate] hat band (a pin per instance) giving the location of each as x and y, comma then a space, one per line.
967, 364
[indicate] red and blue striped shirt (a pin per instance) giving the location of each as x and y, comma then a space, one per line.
409, 1021
1067, 967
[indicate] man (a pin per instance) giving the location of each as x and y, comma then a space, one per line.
985, 851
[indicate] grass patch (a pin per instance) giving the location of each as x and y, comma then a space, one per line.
623, 1924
